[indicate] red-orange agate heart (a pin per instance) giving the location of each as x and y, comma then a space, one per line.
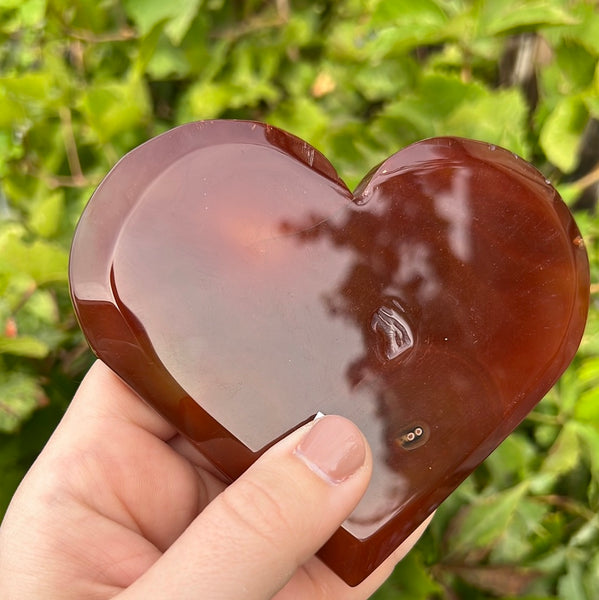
229, 276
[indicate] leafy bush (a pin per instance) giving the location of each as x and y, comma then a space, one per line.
82, 82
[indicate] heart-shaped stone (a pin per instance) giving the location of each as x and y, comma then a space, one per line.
229, 276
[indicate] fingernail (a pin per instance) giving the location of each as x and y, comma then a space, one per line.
333, 449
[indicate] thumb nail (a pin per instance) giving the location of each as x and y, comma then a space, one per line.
333, 448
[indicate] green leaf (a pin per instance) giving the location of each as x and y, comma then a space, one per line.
521, 533
302, 117
561, 132
585, 31
402, 123
441, 94
205, 100
32, 13
577, 66
410, 580
591, 580
382, 81
399, 25
178, 13
508, 16
591, 95
147, 48
114, 107
42, 306
27, 96
485, 521
43, 261
168, 62
571, 586
498, 118
7, 5
567, 392
20, 395
29, 14
511, 459
47, 214
10, 149
589, 438
587, 408
564, 454
405, 12
590, 339
23, 345
587, 534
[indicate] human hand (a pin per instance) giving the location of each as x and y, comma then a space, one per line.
118, 505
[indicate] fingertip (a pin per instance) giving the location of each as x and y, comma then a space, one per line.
333, 448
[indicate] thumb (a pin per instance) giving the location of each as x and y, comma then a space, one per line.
252, 538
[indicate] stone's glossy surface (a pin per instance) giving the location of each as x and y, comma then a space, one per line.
230, 277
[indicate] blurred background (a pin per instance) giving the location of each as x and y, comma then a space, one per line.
84, 81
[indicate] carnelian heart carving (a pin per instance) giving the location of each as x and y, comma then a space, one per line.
229, 276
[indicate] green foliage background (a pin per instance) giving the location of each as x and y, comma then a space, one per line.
84, 81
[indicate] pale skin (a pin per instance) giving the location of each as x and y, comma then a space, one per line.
118, 505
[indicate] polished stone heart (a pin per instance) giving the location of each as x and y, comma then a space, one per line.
229, 276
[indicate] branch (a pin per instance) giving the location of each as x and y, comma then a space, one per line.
587, 180
568, 505
99, 38
70, 143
